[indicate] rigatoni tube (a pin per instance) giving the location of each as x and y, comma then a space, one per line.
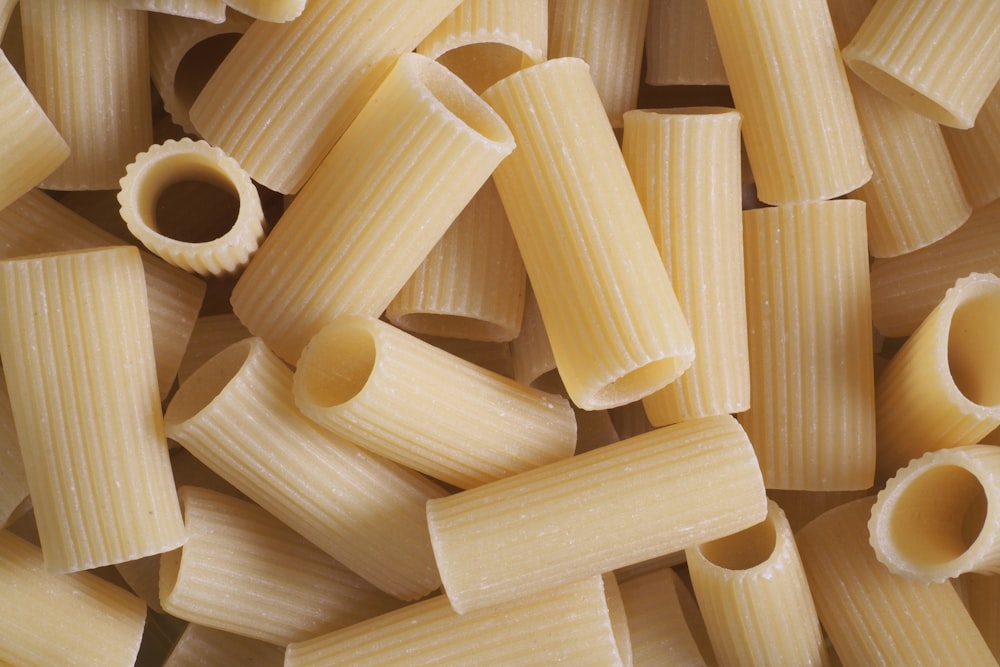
616, 329
380, 388
379, 202
621, 504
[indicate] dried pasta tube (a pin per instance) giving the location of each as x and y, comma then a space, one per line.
812, 407
379, 387
88, 67
801, 507
596, 512
531, 352
936, 60
98, 623
976, 153
685, 164
491, 356
608, 36
619, 622
183, 54
874, 617
616, 329
82, 382
14, 499
375, 208
199, 646
681, 49
211, 335
275, 11
286, 92
807, 150
209, 11
243, 571
660, 613
982, 593
27, 133
356, 367
935, 519
484, 41
750, 583
472, 283
569, 624
36, 224
942, 389
175, 162
366, 512
143, 576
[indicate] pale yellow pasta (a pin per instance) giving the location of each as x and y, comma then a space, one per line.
812, 408
568, 624
685, 164
982, 599
276, 11
62, 619
799, 124
485, 40
681, 49
472, 283
211, 335
36, 224
608, 36
7, 9
183, 54
750, 584
25, 132
801, 507
659, 609
364, 511
286, 92
376, 206
596, 512
211, 11
494, 357
531, 352
14, 499
142, 575
91, 435
934, 58
381, 388
619, 621
616, 329
199, 646
88, 67
243, 571
942, 389
936, 518
175, 162
976, 153
874, 617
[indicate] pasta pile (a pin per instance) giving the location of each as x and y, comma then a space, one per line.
499, 332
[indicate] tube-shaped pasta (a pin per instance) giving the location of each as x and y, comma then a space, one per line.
685, 164
351, 239
491, 356
36, 224
209, 11
807, 150
681, 49
750, 583
485, 40
199, 646
211, 335
568, 624
531, 352
801, 507
596, 512
472, 283
942, 389
174, 162
88, 67
608, 36
13, 482
243, 571
812, 408
872, 616
364, 511
183, 54
976, 153
935, 59
379, 387
982, 599
936, 518
660, 609
97, 623
616, 329
27, 133
82, 382
275, 11
286, 92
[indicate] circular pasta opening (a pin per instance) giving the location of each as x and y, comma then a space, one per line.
640, 382
206, 383
743, 550
973, 352
938, 516
337, 363
199, 63
483, 64
195, 211
897, 90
